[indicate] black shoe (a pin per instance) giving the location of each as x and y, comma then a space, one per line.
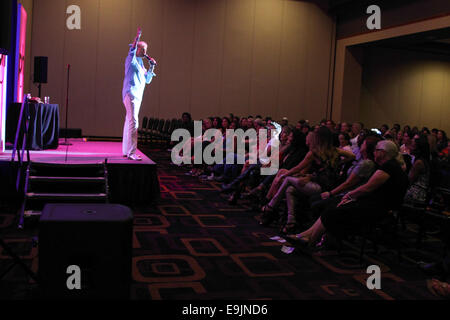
253, 194
219, 179
268, 217
227, 188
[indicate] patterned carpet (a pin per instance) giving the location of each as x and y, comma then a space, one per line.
193, 245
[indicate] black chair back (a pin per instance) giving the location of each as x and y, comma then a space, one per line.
144, 123
155, 124
160, 125
166, 126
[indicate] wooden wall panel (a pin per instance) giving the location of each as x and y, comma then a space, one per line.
265, 59
80, 51
149, 15
237, 57
405, 87
48, 40
208, 57
268, 57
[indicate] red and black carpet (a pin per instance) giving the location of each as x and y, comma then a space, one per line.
193, 245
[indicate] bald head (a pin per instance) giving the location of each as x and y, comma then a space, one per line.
141, 49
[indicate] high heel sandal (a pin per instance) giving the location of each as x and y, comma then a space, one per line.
297, 239
232, 200
289, 228
268, 215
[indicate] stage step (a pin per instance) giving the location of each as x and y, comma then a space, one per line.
67, 170
52, 184
63, 183
32, 195
68, 179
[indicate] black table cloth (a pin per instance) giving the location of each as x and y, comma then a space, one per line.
43, 125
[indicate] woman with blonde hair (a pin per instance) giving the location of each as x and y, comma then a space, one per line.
322, 162
366, 204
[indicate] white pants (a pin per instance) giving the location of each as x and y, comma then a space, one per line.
131, 125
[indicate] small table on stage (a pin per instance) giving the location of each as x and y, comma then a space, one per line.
43, 125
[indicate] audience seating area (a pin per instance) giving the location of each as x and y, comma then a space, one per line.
244, 182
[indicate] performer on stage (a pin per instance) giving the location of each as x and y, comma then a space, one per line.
136, 76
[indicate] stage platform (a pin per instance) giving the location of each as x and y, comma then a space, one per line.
130, 182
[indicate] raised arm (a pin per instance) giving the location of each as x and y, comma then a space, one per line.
349, 156
138, 37
416, 170
376, 181
351, 181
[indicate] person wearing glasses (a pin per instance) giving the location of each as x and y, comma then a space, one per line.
366, 204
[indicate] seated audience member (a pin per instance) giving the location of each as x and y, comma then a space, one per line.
217, 123
337, 127
389, 136
237, 185
399, 139
358, 174
250, 122
366, 204
355, 131
323, 161
243, 124
305, 129
441, 142
406, 129
187, 123
225, 124
290, 157
344, 142
405, 148
359, 139
425, 131
419, 174
360, 171
434, 132
345, 128
444, 154
384, 128
276, 184
397, 127
330, 125
284, 122
316, 128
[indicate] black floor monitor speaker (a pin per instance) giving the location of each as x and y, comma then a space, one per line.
40, 69
85, 251
5, 25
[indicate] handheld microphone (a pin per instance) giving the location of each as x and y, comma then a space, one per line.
151, 60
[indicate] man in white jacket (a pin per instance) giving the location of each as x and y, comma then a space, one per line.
136, 77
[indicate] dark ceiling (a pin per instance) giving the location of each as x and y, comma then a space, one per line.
435, 42
347, 8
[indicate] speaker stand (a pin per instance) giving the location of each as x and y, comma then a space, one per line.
65, 143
